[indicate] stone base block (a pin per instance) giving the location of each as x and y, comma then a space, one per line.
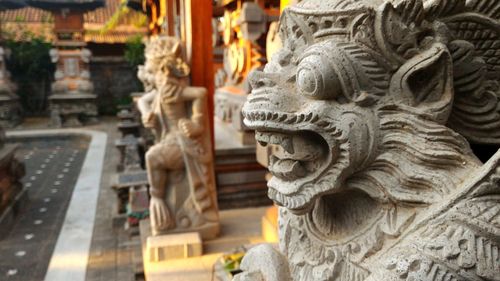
207, 231
73, 110
173, 246
10, 111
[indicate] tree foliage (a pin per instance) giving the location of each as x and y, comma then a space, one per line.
31, 69
134, 51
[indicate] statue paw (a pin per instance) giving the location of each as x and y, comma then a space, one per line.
161, 218
264, 263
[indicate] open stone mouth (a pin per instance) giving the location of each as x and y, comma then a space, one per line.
296, 155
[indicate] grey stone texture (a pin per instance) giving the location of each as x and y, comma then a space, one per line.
114, 80
373, 105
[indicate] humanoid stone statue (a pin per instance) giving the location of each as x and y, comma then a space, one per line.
373, 104
180, 164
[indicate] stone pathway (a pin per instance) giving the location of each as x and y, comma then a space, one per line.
112, 250
52, 167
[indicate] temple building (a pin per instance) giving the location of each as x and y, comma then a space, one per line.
106, 31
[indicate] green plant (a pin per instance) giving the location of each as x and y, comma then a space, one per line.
124, 13
231, 262
134, 51
31, 69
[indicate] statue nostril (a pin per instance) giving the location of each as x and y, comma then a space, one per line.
263, 82
259, 84
254, 79
284, 58
266, 82
258, 79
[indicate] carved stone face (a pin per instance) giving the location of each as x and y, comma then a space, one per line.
313, 101
298, 104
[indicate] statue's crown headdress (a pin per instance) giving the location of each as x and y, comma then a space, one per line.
167, 51
382, 37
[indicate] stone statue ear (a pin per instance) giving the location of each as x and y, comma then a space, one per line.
397, 27
425, 83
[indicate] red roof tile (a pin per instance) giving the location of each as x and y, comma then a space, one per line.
16, 22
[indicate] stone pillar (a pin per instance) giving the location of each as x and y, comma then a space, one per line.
73, 101
10, 107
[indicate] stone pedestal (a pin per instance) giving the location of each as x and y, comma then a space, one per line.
173, 246
126, 182
128, 127
72, 110
10, 110
126, 114
72, 102
228, 104
131, 151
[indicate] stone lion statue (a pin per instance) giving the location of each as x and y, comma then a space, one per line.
374, 104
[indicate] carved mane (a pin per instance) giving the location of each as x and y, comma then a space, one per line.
419, 163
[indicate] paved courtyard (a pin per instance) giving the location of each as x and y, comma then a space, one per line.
52, 168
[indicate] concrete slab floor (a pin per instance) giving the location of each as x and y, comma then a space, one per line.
238, 227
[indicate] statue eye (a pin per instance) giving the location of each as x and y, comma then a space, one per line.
317, 79
307, 81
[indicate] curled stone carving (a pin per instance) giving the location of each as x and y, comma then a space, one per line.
180, 164
372, 105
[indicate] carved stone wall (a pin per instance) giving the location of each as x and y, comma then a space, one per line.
244, 32
372, 105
